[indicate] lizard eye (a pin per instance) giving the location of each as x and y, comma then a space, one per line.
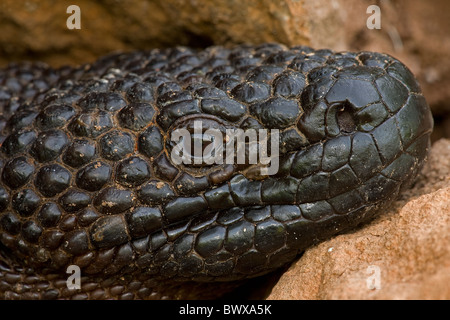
203, 147
197, 142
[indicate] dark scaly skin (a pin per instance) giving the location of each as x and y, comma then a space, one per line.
354, 131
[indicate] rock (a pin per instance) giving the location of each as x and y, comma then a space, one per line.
407, 246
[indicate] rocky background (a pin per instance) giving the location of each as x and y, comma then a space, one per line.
410, 243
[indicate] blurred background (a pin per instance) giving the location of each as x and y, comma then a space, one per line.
415, 31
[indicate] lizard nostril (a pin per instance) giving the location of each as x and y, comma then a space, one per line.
345, 118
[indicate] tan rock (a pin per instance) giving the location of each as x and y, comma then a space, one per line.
408, 247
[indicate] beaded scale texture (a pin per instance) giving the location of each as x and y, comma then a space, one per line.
87, 178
